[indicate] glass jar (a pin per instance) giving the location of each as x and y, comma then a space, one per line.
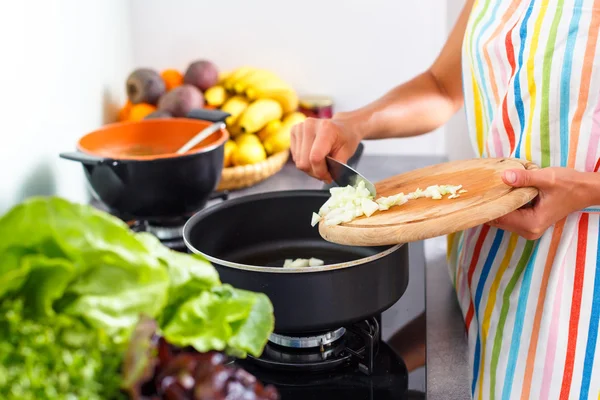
316, 106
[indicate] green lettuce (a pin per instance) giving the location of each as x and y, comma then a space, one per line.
223, 318
55, 357
63, 258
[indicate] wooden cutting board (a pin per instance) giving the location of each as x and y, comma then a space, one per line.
487, 198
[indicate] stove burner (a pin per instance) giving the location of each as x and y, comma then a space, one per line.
388, 381
358, 343
168, 230
307, 341
162, 232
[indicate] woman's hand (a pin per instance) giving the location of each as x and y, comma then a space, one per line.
314, 139
561, 192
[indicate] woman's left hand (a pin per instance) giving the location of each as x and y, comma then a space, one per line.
561, 192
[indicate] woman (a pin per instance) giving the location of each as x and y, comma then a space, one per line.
528, 283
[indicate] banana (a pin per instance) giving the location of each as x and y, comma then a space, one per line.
234, 74
287, 98
234, 106
258, 114
252, 91
251, 79
237, 75
216, 95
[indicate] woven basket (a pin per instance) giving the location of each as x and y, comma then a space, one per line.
243, 176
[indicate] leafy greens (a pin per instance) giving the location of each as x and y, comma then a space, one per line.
63, 260
55, 358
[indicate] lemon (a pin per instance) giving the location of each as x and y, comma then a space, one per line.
247, 138
249, 153
230, 148
277, 142
269, 129
215, 96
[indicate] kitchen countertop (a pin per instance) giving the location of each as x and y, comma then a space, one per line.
447, 375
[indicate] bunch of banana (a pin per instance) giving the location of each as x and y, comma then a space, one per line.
253, 83
263, 109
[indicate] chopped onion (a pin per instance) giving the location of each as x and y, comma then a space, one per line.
315, 262
315, 219
349, 202
368, 207
386, 202
302, 262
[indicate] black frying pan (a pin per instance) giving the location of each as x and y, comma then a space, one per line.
247, 239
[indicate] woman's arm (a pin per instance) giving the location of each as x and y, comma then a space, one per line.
422, 104
413, 108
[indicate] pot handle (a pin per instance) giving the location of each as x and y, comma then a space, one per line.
84, 158
208, 115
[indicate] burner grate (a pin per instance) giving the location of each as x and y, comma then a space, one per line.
307, 341
356, 347
371, 335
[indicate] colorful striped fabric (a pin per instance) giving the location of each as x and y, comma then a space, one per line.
531, 76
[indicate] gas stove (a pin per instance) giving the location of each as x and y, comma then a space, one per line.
350, 362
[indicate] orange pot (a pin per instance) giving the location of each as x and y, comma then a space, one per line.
133, 167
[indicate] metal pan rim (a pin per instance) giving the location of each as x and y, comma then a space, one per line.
281, 270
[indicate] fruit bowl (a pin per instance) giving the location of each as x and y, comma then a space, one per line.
242, 176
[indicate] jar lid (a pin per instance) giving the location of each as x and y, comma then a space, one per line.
315, 101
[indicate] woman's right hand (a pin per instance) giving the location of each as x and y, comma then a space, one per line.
314, 139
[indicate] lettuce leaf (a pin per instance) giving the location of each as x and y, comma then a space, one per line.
224, 318
74, 260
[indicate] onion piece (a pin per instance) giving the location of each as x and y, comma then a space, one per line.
303, 262
315, 262
315, 219
369, 207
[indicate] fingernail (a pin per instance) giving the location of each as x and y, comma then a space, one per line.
510, 176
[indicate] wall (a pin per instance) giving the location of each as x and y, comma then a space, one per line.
322, 47
458, 145
63, 66
62, 72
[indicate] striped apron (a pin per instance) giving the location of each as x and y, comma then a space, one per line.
531, 79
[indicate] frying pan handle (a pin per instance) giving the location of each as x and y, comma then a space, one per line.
85, 158
208, 115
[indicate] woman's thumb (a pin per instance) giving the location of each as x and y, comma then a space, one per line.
518, 178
